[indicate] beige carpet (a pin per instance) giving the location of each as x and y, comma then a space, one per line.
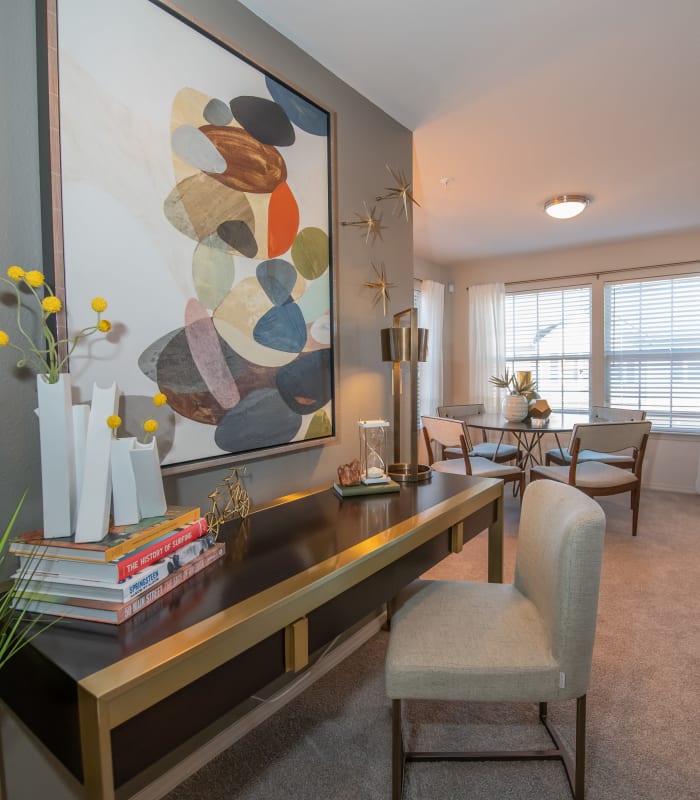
643, 705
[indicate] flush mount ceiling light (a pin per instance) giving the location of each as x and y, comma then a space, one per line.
566, 206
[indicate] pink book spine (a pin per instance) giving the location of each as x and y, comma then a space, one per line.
161, 548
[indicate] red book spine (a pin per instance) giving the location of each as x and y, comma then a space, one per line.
141, 558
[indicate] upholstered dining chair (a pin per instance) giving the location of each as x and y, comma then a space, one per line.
529, 641
596, 478
562, 457
451, 433
499, 451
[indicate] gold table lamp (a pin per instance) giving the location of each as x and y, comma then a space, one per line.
406, 343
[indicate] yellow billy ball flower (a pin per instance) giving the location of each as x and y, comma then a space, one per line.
159, 399
114, 421
51, 304
104, 325
15, 273
34, 278
150, 426
4, 339
98, 304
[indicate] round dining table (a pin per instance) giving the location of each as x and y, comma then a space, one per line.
529, 432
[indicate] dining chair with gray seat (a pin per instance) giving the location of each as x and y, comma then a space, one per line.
451, 433
596, 478
499, 451
562, 457
526, 642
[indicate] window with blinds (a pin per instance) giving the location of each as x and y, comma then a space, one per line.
652, 349
548, 332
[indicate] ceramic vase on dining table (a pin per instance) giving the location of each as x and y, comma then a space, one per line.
515, 407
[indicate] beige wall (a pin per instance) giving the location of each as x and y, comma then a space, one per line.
672, 459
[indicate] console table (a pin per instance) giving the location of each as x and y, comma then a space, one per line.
110, 701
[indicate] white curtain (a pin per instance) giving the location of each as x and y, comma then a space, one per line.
430, 316
486, 343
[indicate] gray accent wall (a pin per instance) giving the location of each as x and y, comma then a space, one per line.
367, 140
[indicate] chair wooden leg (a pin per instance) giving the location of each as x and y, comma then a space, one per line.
580, 748
397, 754
635, 509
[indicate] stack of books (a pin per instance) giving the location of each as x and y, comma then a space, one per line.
113, 579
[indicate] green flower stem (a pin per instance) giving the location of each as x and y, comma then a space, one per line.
45, 361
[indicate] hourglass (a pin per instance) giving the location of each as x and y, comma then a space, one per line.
372, 450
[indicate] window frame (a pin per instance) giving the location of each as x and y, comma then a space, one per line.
532, 364
645, 358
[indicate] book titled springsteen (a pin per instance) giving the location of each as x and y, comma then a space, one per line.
120, 539
116, 613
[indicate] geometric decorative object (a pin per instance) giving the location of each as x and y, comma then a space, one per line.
401, 192
381, 285
401, 344
539, 409
371, 222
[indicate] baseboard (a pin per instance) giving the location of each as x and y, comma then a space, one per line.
195, 760
670, 487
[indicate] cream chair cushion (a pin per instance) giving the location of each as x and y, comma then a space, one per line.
480, 466
489, 634
591, 475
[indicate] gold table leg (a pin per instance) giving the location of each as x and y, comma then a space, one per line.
495, 545
96, 747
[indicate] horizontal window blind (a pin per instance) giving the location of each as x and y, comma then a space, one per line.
652, 349
548, 332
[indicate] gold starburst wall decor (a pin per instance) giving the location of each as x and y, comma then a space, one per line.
370, 221
381, 286
401, 192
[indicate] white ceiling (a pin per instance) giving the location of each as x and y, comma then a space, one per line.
515, 101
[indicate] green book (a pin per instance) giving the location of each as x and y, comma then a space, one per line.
362, 488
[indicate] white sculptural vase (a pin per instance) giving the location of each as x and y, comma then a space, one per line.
58, 480
124, 494
515, 407
96, 490
149, 481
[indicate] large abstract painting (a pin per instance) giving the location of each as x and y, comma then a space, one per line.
195, 196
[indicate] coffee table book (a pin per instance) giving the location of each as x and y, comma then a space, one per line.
116, 613
364, 489
121, 568
37, 582
120, 540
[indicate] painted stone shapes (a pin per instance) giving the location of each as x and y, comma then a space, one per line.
253, 357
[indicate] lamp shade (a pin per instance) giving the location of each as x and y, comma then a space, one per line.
396, 344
